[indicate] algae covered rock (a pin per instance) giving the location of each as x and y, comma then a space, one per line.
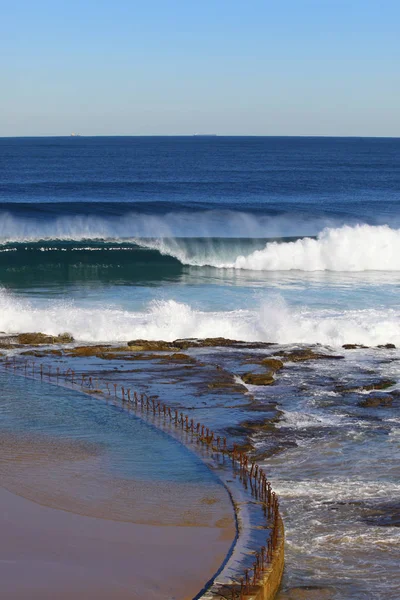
376, 402
218, 342
204, 343
180, 357
258, 378
303, 354
152, 346
353, 346
379, 385
274, 364
383, 384
36, 339
387, 346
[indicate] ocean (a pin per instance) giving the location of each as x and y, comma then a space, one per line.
182, 237
292, 241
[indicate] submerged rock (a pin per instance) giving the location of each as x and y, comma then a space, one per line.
383, 384
376, 401
383, 515
42, 353
180, 357
353, 346
306, 354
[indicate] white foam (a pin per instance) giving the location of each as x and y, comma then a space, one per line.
354, 248
335, 489
273, 321
359, 248
301, 420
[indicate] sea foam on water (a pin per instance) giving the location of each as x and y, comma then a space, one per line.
272, 321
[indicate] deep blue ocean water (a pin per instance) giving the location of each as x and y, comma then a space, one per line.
279, 239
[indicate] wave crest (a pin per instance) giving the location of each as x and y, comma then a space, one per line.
359, 248
346, 249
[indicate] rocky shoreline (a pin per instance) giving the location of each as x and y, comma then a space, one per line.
241, 389
220, 367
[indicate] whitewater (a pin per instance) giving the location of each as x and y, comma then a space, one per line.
272, 321
355, 305
347, 248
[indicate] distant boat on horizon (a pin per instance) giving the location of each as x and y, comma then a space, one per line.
205, 135
75, 135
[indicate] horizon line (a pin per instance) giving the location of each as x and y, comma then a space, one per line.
201, 135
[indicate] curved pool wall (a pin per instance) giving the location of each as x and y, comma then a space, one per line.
253, 568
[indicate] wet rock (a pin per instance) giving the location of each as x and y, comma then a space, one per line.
179, 357
376, 402
219, 342
8, 345
36, 339
259, 425
109, 352
274, 364
88, 350
151, 346
42, 353
303, 354
230, 386
383, 515
353, 346
204, 343
383, 384
379, 385
387, 346
258, 378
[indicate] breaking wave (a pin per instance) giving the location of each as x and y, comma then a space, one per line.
347, 248
272, 321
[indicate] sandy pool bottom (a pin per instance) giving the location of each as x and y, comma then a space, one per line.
65, 535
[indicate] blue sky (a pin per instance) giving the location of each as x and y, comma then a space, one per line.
282, 67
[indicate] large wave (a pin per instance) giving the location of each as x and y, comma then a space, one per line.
359, 248
347, 248
188, 237
272, 321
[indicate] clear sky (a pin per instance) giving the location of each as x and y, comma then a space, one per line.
234, 67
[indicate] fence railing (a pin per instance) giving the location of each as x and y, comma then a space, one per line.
260, 577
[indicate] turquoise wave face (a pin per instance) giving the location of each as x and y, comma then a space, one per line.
140, 262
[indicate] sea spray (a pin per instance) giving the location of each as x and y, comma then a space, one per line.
359, 248
344, 249
95, 223
273, 320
